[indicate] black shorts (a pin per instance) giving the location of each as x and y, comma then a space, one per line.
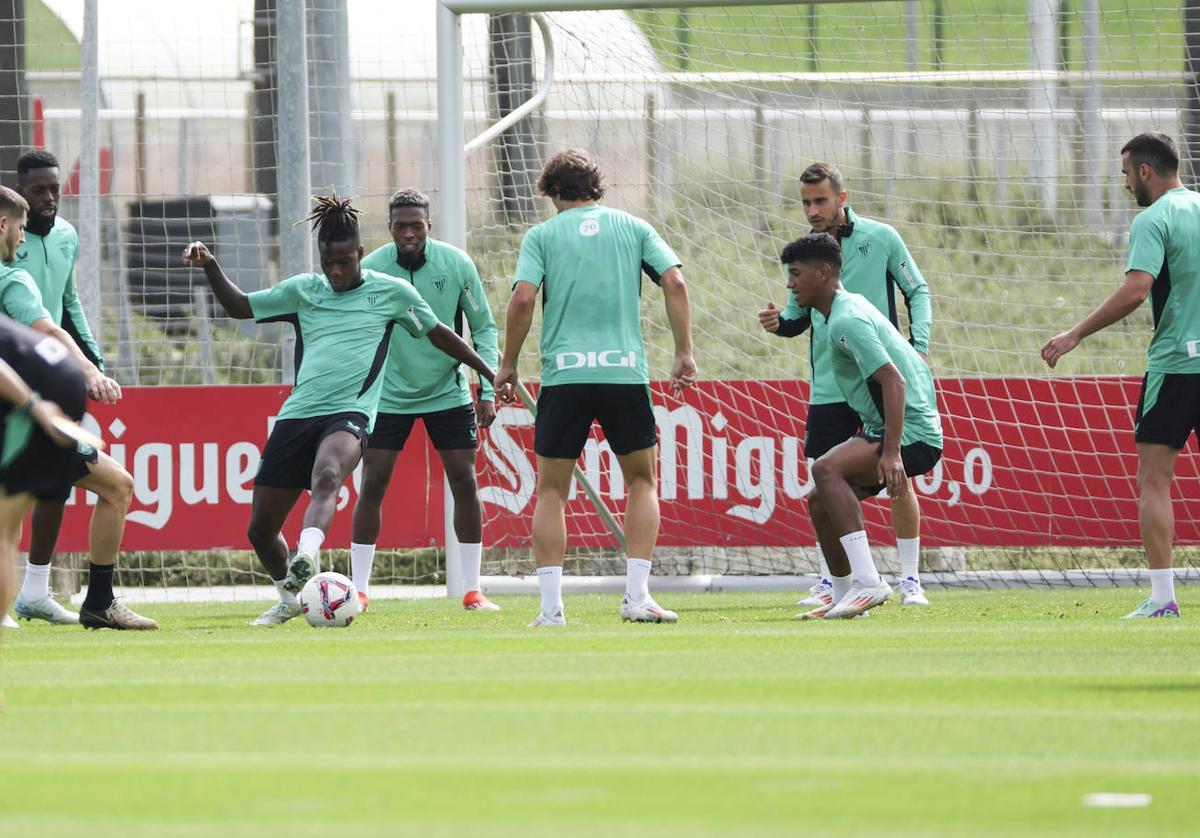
918, 458
287, 461
44, 469
48, 471
565, 413
1168, 409
827, 426
448, 429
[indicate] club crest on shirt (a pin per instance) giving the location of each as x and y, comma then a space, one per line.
372, 300
439, 282
65, 250
864, 248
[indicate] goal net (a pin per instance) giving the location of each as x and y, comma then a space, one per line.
987, 133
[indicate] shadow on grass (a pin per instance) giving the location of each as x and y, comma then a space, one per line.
1172, 686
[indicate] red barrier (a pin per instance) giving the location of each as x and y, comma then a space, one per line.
1028, 461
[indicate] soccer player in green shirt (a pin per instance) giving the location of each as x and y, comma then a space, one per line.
344, 318
875, 263
422, 382
586, 264
48, 471
1163, 264
889, 386
48, 256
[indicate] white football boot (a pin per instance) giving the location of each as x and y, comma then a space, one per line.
646, 611
278, 614
860, 599
544, 620
911, 592
819, 594
46, 609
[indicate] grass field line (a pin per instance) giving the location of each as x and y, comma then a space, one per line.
700, 763
572, 706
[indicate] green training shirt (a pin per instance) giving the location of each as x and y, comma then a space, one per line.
588, 261
20, 298
1164, 241
875, 262
861, 340
419, 377
342, 339
50, 260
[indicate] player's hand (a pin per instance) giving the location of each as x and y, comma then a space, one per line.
197, 254
485, 413
506, 384
44, 413
683, 373
103, 389
768, 318
891, 474
1058, 346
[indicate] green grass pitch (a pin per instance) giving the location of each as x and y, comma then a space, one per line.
990, 713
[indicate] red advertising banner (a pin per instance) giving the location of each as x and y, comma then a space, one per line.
193, 453
1028, 462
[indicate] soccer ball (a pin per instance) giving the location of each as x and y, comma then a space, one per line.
329, 600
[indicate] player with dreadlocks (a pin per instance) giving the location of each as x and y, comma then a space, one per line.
343, 319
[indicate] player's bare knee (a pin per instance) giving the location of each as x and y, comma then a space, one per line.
326, 481
118, 488
823, 472
259, 536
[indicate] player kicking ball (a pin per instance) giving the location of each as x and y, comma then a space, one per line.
891, 388
344, 318
428, 386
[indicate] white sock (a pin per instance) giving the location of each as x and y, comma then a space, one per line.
284, 596
910, 557
362, 556
37, 582
550, 583
823, 566
637, 580
841, 584
862, 566
1162, 585
310, 542
472, 559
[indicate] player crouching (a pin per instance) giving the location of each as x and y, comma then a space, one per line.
891, 388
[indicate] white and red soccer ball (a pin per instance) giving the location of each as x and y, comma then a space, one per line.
329, 600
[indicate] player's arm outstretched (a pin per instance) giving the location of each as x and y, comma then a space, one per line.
679, 313
233, 299
447, 340
1119, 305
